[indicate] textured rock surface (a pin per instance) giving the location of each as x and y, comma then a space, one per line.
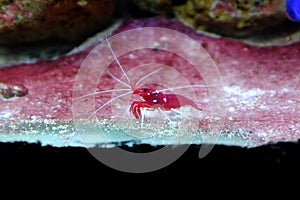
226, 17
261, 85
27, 21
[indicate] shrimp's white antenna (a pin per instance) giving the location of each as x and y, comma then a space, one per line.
165, 115
115, 57
118, 80
142, 118
105, 104
191, 86
100, 92
146, 76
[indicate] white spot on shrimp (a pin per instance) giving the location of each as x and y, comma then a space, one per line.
154, 101
131, 56
148, 94
165, 99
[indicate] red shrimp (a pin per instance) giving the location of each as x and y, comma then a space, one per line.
154, 99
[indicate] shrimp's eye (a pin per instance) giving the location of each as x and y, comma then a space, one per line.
144, 90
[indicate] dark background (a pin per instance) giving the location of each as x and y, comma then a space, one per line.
227, 171
278, 159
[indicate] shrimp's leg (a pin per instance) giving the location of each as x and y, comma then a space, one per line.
136, 106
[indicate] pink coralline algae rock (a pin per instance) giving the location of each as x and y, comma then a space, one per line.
261, 89
28, 21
